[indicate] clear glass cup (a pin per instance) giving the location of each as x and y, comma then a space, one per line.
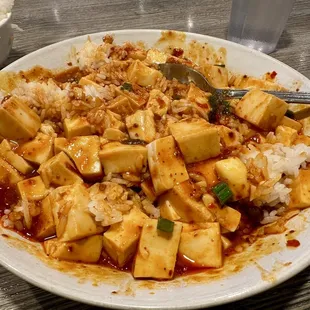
258, 23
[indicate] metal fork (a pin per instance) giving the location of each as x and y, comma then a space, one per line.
186, 75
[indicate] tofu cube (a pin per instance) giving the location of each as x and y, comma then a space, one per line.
39, 150
118, 158
58, 171
84, 151
189, 208
202, 247
229, 138
260, 109
78, 126
286, 135
233, 171
85, 81
300, 194
137, 54
121, 239
17, 120
227, 217
113, 120
114, 134
65, 75
207, 169
141, 125
168, 212
70, 210
60, 145
157, 251
148, 189
87, 250
9, 174
196, 95
158, 103
226, 243
14, 159
141, 74
32, 189
288, 122
190, 227
197, 139
45, 226
134, 100
245, 82
217, 76
123, 105
156, 56
166, 166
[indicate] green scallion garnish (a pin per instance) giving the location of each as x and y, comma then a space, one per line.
165, 225
126, 86
290, 114
218, 107
176, 97
222, 192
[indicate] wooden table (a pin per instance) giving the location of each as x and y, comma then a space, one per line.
48, 21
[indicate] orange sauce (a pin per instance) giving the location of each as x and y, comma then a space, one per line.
184, 265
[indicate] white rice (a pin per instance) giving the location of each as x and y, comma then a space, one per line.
269, 217
5, 8
108, 204
283, 166
92, 56
286, 160
150, 209
33, 92
94, 92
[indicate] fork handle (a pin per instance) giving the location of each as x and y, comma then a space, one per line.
295, 97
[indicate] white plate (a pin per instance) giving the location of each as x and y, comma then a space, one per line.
249, 281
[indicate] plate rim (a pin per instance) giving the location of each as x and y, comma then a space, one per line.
264, 286
155, 31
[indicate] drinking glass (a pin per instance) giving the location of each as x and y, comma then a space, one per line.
258, 23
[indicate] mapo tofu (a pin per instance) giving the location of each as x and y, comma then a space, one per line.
119, 164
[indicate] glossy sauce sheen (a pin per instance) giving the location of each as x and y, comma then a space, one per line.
184, 266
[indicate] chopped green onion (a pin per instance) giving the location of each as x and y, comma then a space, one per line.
165, 225
222, 192
290, 114
220, 65
219, 187
218, 107
176, 97
134, 142
126, 86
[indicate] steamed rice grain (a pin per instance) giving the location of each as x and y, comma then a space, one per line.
283, 164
